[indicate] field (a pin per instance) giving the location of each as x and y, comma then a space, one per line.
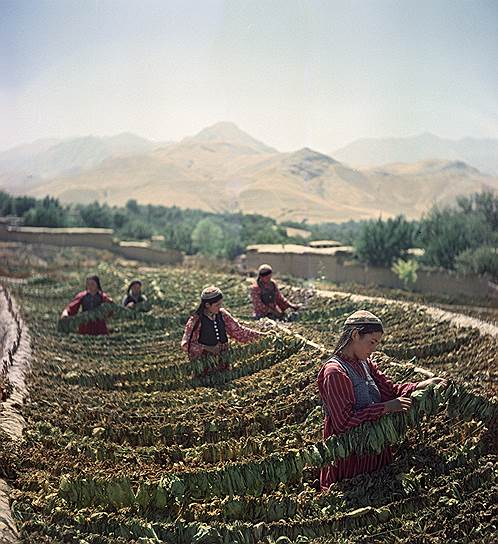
125, 444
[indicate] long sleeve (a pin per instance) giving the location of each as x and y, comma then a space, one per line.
260, 308
190, 340
106, 299
237, 331
336, 391
73, 307
388, 389
280, 300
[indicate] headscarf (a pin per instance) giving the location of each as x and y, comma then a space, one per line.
209, 295
364, 322
264, 270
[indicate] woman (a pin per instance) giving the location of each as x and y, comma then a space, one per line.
208, 329
89, 299
354, 390
266, 298
134, 295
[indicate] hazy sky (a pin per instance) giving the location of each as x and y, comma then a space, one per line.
291, 73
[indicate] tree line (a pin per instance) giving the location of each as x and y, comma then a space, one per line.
463, 237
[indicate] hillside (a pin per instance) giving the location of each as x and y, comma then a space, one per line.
223, 168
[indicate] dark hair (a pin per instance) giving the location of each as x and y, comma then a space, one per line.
96, 280
202, 305
132, 284
347, 334
265, 273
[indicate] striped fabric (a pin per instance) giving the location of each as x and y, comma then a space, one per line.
336, 391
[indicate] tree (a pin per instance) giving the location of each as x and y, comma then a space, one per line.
380, 242
445, 233
95, 215
137, 230
24, 203
484, 203
132, 206
207, 238
45, 215
119, 219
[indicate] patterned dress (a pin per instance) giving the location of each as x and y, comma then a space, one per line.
190, 341
261, 309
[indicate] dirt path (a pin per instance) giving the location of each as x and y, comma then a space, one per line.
11, 421
459, 320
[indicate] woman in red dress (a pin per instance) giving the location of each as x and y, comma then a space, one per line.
91, 298
354, 390
267, 300
208, 329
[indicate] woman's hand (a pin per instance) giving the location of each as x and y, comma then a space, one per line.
64, 314
401, 404
296, 307
432, 381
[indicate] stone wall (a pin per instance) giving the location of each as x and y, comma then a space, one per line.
336, 269
95, 238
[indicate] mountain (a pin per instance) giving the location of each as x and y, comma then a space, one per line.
368, 152
229, 133
50, 158
224, 169
193, 173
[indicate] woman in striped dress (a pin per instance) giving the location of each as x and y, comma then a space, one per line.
354, 390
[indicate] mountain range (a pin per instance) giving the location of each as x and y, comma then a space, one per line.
366, 152
223, 168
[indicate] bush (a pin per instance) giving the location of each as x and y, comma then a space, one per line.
481, 261
406, 271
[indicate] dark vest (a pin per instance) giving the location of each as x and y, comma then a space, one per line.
211, 331
130, 298
268, 294
90, 302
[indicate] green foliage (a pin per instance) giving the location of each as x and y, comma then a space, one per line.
346, 232
406, 271
46, 213
445, 233
97, 216
380, 242
137, 229
484, 204
482, 261
207, 238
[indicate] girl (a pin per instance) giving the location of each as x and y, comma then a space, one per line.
134, 294
91, 298
266, 298
354, 390
208, 329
